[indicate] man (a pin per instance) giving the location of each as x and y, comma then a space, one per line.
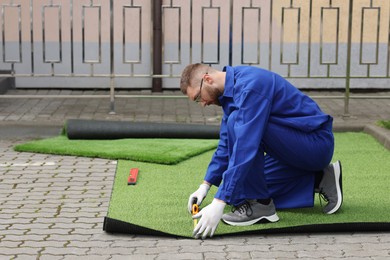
274, 151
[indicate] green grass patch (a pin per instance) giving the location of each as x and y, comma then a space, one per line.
384, 123
163, 151
159, 200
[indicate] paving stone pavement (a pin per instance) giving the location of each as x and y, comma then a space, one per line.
52, 207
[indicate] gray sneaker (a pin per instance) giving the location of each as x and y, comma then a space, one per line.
251, 212
331, 187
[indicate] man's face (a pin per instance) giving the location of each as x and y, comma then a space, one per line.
205, 94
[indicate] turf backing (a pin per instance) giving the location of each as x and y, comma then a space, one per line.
158, 201
153, 150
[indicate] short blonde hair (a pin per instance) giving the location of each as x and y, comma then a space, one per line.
190, 73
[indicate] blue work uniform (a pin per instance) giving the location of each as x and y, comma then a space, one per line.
273, 140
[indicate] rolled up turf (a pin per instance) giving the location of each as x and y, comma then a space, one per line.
98, 129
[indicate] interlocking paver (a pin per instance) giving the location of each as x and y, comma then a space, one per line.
202, 249
320, 254
52, 207
43, 244
11, 244
45, 257
366, 253
270, 240
62, 251
24, 238
167, 256
248, 248
280, 254
234, 255
133, 257
10, 251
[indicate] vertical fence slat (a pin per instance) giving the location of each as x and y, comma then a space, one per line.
157, 45
349, 48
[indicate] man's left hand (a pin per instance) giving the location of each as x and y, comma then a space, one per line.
209, 219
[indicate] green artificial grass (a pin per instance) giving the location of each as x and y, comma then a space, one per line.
163, 151
159, 200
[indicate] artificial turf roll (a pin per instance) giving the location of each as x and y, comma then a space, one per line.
98, 129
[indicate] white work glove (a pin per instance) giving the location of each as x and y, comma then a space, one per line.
198, 196
209, 219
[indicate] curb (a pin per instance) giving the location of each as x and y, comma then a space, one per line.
340, 128
381, 134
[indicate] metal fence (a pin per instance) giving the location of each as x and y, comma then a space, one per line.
320, 44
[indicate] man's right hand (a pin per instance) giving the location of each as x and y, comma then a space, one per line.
198, 196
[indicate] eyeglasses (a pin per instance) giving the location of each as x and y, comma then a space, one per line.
198, 97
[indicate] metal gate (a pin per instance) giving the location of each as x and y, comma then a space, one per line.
322, 44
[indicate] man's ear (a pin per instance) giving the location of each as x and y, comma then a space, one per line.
208, 78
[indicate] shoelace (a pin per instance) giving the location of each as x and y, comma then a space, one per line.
244, 208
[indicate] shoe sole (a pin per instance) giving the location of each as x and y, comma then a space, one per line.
339, 187
272, 218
